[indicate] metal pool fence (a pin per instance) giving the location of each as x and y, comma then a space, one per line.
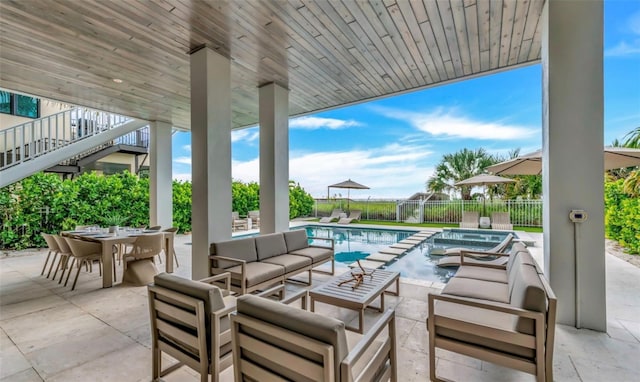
523, 213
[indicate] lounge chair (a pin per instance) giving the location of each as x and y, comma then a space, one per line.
335, 215
501, 247
470, 219
501, 220
477, 257
237, 223
354, 215
255, 218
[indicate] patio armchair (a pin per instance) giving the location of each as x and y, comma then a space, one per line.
85, 252
273, 341
354, 215
335, 215
190, 322
470, 219
237, 223
501, 220
255, 218
65, 253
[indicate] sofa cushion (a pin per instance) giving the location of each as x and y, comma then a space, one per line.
296, 239
319, 327
516, 248
528, 293
472, 288
290, 262
520, 259
484, 317
482, 273
241, 249
270, 245
257, 272
317, 254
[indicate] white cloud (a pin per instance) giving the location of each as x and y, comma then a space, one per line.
389, 171
183, 160
450, 123
624, 49
313, 123
187, 148
249, 135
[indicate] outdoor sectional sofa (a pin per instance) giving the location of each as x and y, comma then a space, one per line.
500, 314
259, 262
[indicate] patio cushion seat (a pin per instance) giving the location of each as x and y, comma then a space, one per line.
289, 262
480, 289
483, 273
257, 272
317, 254
493, 319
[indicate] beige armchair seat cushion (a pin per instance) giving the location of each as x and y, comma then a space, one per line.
484, 317
322, 328
480, 289
317, 254
289, 262
296, 239
244, 249
256, 273
528, 293
270, 245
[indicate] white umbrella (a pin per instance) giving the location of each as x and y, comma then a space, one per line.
484, 180
531, 164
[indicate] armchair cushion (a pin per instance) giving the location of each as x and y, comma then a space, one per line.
528, 293
485, 290
210, 294
296, 239
322, 328
483, 273
244, 249
270, 245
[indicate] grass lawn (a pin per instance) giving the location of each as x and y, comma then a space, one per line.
435, 225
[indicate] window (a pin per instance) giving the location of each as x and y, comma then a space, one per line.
20, 105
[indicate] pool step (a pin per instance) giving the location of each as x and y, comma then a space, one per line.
422, 235
381, 257
403, 246
411, 241
393, 251
367, 264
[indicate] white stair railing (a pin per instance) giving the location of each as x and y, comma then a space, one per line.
35, 138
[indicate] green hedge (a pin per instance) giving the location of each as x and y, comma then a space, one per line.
622, 216
46, 203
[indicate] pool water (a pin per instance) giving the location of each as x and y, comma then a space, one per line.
353, 244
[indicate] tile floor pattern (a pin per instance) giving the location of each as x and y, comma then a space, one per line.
50, 333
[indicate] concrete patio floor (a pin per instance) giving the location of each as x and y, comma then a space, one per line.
50, 333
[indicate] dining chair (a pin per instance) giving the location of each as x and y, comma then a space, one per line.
85, 252
53, 249
138, 263
173, 231
64, 252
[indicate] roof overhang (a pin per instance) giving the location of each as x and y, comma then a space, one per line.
328, 54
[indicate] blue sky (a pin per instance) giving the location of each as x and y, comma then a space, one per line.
392, 145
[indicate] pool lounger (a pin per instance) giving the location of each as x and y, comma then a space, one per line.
454, 261
381, 257
403, 246
393, 251
367, 264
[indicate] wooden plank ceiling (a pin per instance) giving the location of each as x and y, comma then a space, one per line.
327, 52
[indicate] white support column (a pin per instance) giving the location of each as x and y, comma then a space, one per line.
211, 155
274, 158
573, 159
160, 176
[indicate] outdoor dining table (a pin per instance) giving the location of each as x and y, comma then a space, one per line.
108, 240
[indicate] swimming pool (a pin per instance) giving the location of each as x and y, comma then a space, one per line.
353, 244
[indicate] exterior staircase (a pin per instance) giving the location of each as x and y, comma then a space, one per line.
68, 138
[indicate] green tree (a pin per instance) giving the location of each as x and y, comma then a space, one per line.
300, 202
459, 166
632, 139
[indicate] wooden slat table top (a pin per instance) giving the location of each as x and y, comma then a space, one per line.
363, 295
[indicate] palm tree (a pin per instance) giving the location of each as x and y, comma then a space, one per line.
633, 139
459, 166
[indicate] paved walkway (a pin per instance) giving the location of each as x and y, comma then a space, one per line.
48, 332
